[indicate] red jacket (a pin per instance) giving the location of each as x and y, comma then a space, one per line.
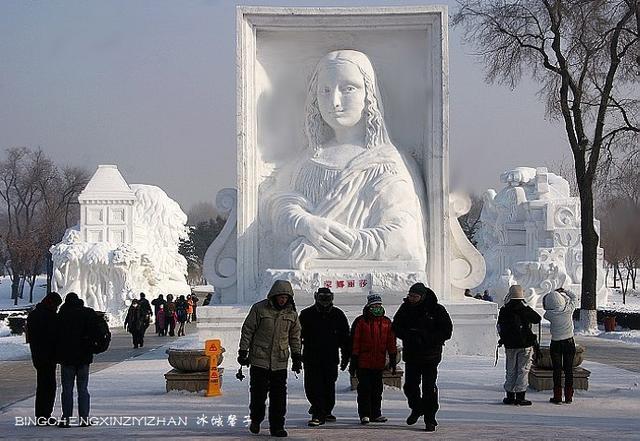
372, 339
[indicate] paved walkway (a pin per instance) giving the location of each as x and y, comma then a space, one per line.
18, 378
610, 352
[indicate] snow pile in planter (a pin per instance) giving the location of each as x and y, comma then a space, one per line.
5, 331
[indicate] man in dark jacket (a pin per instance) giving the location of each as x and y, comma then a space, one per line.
76, 325
423, 325
269, 330
514, 326
325, 330
41, 336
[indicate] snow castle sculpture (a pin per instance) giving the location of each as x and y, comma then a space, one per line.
126, 243
530, 235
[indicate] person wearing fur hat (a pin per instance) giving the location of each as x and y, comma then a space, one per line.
41, 335
514, 326
270, 329
559, 306
372, 339
423, 325
325, 333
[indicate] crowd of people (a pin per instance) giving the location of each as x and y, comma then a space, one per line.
318, 340
71, 335
321, 341
169, 314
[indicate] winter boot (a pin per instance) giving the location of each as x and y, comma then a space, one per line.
254, 427
557, 396
521, 400
315, 422
278, 433
510, 398
568, 394
413, 417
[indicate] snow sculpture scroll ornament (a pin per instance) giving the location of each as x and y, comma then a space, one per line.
109, 271
530, 235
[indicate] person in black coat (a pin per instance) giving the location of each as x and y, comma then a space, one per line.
156, 307
423, 325
514, 326
76, 323
136, 323
41, 335
325, 331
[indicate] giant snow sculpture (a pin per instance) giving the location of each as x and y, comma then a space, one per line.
530, 235
333, 188
126, 243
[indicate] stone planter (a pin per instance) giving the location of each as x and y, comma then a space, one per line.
191, 360
545, 361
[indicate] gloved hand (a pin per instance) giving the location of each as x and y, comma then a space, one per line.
296, 366
393, 361
344, 362
353, 366
243, 357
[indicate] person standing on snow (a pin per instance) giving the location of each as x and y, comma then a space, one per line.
372, 340
325, 333
559, 306
514, 326
423, 325
41, 331
269, 331
135, 323
74, 352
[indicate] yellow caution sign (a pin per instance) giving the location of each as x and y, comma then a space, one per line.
212, 348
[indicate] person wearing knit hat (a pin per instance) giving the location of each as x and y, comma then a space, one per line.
372, 340
423, 325
325, 336
41, 335
514, 326
559, 306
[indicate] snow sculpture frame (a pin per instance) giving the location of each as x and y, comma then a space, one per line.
264, 45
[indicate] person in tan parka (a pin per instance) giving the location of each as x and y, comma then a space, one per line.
270, 332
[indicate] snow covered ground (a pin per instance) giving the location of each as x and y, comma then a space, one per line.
470, 397
6, 302
632, 301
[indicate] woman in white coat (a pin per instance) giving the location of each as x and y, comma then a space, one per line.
559, 306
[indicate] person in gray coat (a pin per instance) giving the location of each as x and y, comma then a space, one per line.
270, 329
559, 306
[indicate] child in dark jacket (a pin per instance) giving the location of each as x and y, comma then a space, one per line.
372, 340
514, 326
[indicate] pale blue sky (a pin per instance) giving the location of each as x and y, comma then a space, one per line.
149, 85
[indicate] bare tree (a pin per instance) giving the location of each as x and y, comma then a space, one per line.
470, 222
586, 57
201, 212
37, 198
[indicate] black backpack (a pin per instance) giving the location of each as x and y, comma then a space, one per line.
100, 335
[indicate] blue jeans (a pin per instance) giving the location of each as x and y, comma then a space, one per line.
81, 375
